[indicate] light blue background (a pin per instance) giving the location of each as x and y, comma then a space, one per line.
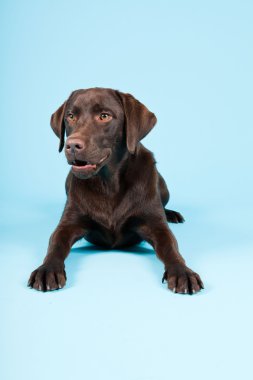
191, 63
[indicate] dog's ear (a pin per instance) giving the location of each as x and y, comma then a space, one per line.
58, 125
138, 120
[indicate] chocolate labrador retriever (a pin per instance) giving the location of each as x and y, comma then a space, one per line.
115, 195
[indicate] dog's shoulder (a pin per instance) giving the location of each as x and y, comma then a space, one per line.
145, 162
145, 155
143, 167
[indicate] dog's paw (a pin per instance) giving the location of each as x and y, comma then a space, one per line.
48, 277
182, 280
174, 216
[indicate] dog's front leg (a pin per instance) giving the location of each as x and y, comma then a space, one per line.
51, 274
180, 278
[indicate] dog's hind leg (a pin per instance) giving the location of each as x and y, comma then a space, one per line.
173, 216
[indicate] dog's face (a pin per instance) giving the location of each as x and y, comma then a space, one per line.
99, 124
94, 122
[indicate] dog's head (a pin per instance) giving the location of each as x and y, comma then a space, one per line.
99, 123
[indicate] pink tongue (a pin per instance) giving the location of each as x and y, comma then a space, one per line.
89, 166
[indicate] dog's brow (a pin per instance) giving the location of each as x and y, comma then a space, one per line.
98, 107
73, 108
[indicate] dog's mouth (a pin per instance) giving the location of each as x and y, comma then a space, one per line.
83, 164
86, 166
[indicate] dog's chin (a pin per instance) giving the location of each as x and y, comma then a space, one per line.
85, 170
84, 173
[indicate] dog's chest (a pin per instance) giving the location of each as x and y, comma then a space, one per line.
110, 223
110, 212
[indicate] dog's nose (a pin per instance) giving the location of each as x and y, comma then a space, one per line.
74, 145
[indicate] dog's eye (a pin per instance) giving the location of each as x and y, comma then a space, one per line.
70, 115
105, 116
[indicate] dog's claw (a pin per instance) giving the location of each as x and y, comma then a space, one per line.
164, 277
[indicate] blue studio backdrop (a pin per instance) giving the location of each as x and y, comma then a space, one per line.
189, 62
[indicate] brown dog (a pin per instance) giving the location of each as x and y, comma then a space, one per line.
115, 195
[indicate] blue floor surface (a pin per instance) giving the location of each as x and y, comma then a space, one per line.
115, 319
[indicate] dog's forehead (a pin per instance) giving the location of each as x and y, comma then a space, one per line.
105, 98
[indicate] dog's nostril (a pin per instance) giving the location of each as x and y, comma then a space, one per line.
74, 145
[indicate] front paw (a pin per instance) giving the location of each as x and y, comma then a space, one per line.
183, 280
50, 276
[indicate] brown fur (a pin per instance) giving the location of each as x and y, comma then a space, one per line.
122, 201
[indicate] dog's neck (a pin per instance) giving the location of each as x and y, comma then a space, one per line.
111, 176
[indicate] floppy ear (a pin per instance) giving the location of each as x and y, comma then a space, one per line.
138, 120
57, 124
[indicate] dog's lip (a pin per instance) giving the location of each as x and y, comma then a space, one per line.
88, 164
84, 167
